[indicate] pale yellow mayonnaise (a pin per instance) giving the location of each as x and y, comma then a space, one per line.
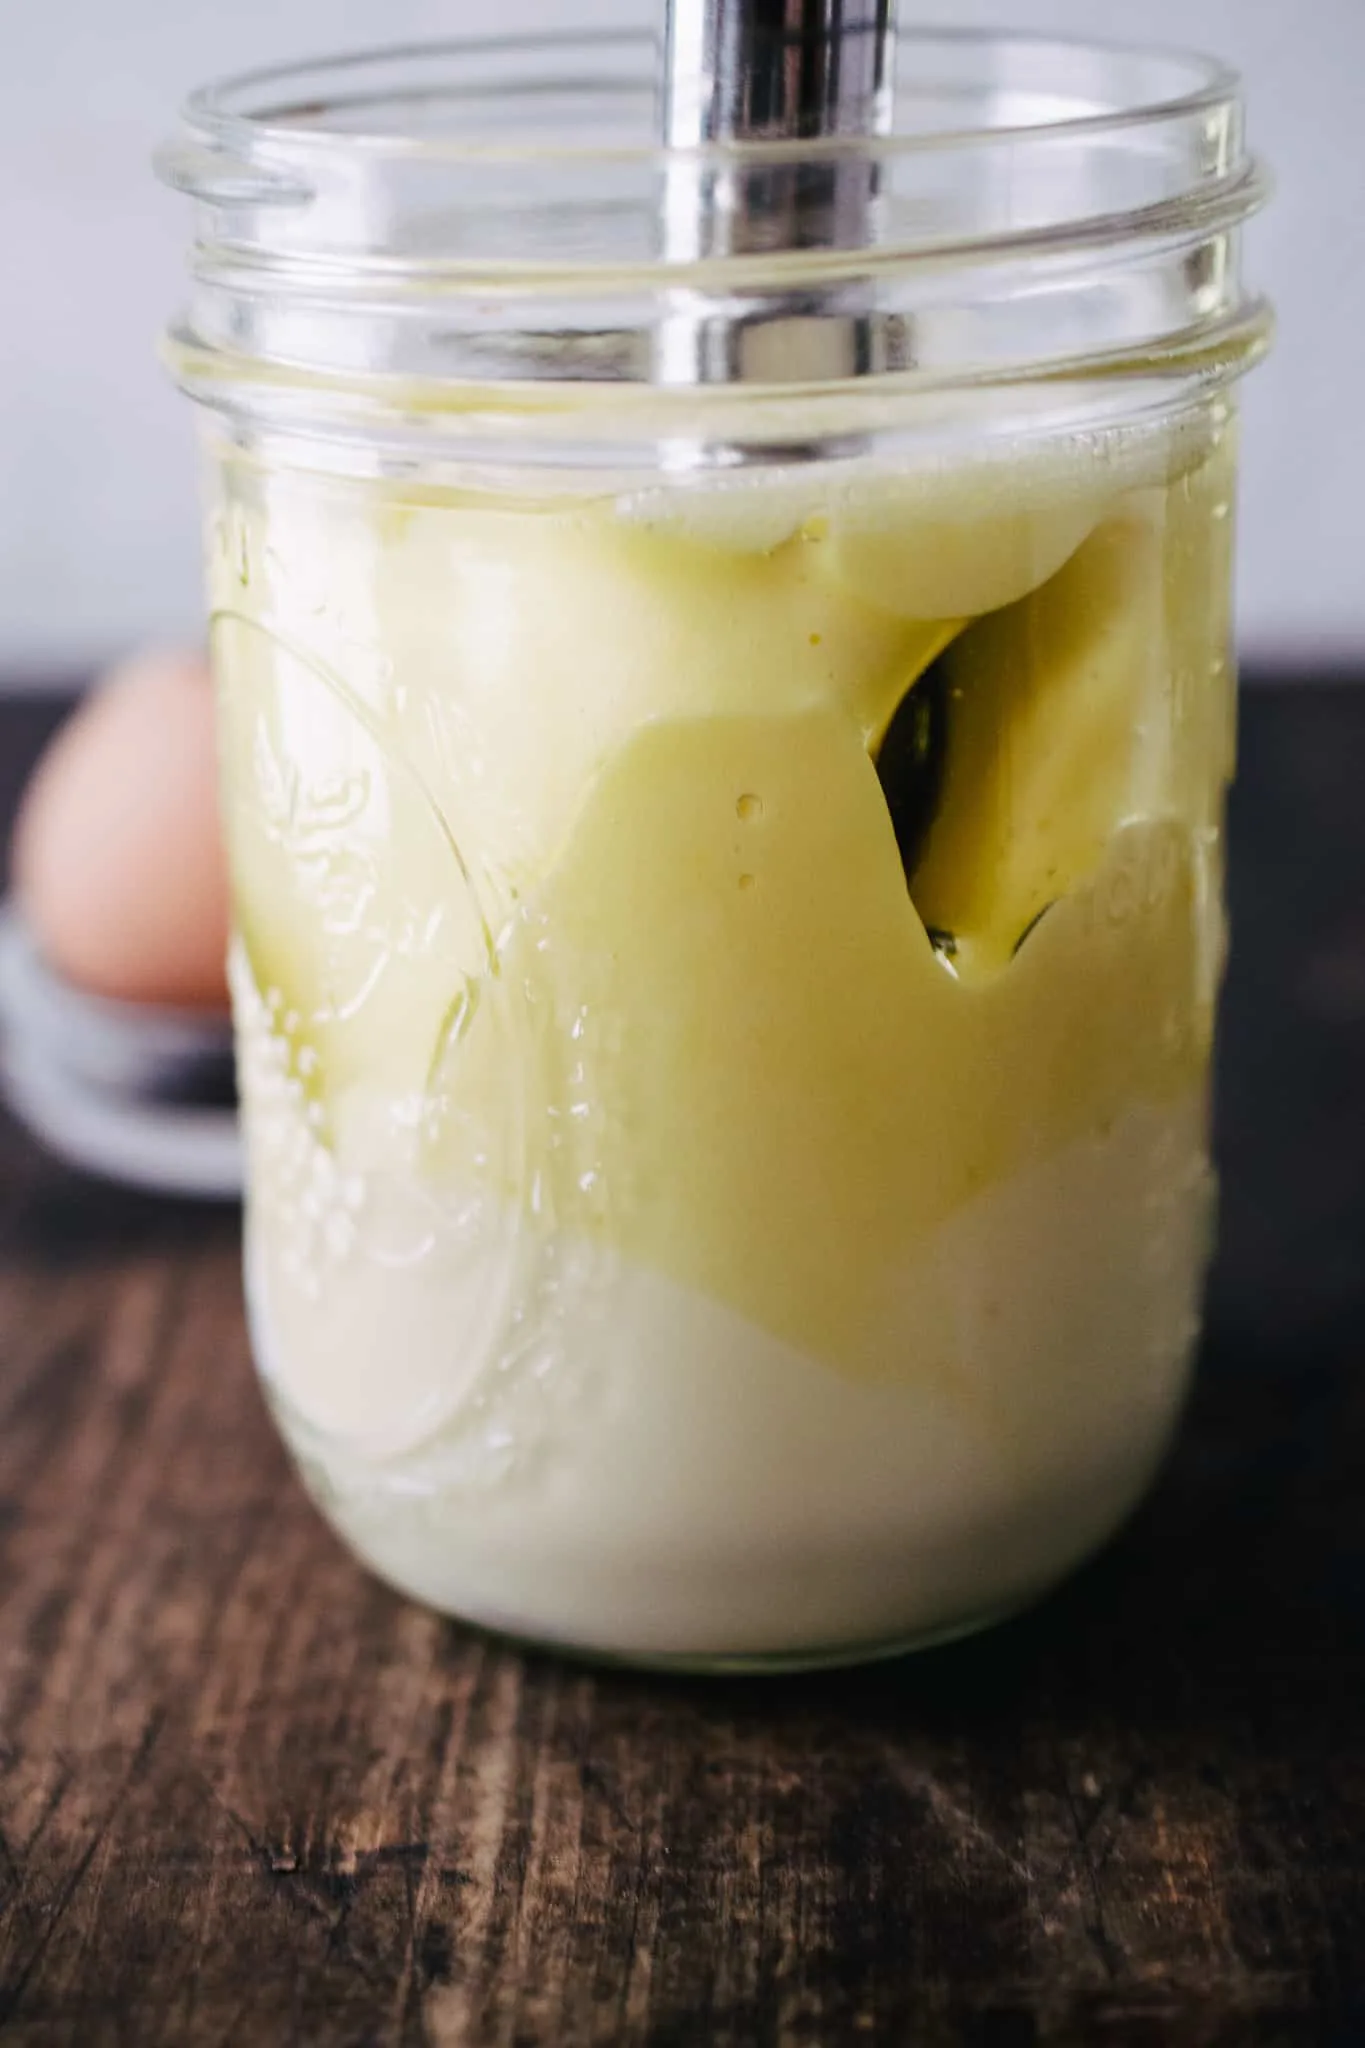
655, 1242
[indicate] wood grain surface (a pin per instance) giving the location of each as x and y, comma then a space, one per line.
248, 1796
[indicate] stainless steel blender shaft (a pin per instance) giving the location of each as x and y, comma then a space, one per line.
764, 71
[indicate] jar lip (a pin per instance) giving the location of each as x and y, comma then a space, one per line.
503, 211
250, 110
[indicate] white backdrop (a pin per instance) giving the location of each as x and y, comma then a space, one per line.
97, 517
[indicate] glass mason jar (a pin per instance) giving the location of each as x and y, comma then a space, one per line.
724, 752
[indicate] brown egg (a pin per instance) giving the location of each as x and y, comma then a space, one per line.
118, 861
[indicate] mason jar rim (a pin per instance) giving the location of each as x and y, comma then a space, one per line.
246, 107
293, 175
472, 236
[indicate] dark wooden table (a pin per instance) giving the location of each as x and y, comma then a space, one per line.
247, 1796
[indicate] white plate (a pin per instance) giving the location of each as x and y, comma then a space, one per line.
67, 1065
